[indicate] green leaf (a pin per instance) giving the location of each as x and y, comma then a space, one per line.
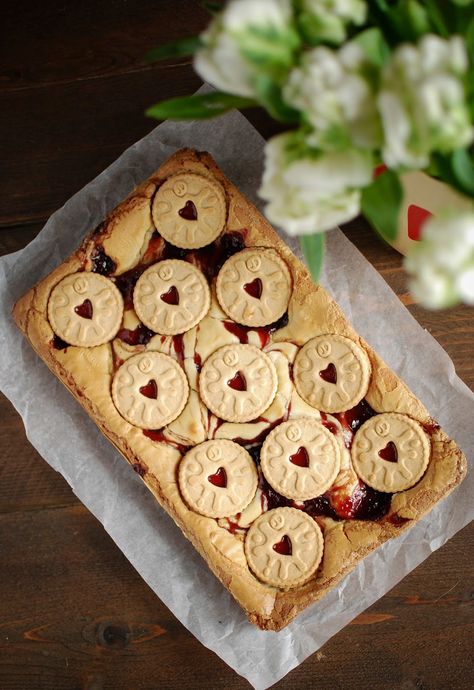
312, 247
374, 45
212, 7
198, 107
462, 166
182, 48
269, 95
381, 203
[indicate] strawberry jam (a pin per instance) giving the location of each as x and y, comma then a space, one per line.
189, 211
102, 263
283, 547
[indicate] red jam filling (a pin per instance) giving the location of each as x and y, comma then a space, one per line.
102, 263
141, 335
329, 374
149, 390
254, 289
171, 296
189, 211
300, 458
238, 382
283, 547
58, 343
389, 453
85, 310
219, 478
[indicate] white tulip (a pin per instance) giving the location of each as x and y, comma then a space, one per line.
422, 101
326, 20
310, 191
245, 40
336, 98
442, 264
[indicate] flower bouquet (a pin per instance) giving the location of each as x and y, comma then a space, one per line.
367, 92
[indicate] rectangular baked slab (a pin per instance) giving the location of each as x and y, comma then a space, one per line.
125, 236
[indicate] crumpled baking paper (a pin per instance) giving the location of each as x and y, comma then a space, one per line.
109, 488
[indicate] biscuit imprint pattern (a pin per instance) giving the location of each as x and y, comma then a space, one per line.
150, 390
399, 439
256, 372
332, 373
254, 287
284, 570
93, 295
194, 229
171, 297
290, 440
222, 458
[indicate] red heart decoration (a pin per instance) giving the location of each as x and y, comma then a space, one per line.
171, 296
300, 458
219, 478
416, 216
254, 289
85, 310
238, 382
389, 453
283, 547
329, 374
189, 211
149, 390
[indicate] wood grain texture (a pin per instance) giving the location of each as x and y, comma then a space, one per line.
73, 611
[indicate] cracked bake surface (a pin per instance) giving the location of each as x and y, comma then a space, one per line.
280, 443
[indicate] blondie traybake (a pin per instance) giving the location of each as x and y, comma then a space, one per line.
277, 439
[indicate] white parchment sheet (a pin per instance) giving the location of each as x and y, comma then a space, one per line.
114, 493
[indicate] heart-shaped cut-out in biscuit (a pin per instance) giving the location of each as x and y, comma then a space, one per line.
283, 547
300, 458
219, 478
254, 288
189, 211
149, 390
171, 296
238, 382
85, 310
389, 453
329, 374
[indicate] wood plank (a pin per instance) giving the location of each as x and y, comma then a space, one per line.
74, 613
87, 39
84, 126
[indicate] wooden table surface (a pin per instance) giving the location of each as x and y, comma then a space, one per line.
73, 611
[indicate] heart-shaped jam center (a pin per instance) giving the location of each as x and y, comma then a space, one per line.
238, 382
300, 458
150, 389
189, 211
283, 547
85, 309
389, 453
171, 296
219, 478
329, 374
254, 289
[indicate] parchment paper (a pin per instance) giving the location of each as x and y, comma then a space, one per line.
113, 492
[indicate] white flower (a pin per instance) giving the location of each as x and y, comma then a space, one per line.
422, 101
442, 264
326, 20
336, 98
311, 191
246, 39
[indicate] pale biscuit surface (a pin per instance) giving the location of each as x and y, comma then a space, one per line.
150, 390
300, 459
189, 210
284, 547
254, 287
171, 297
332, 373
218, 478
85, 309
390, 452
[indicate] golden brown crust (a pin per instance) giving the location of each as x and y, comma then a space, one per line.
347, 542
